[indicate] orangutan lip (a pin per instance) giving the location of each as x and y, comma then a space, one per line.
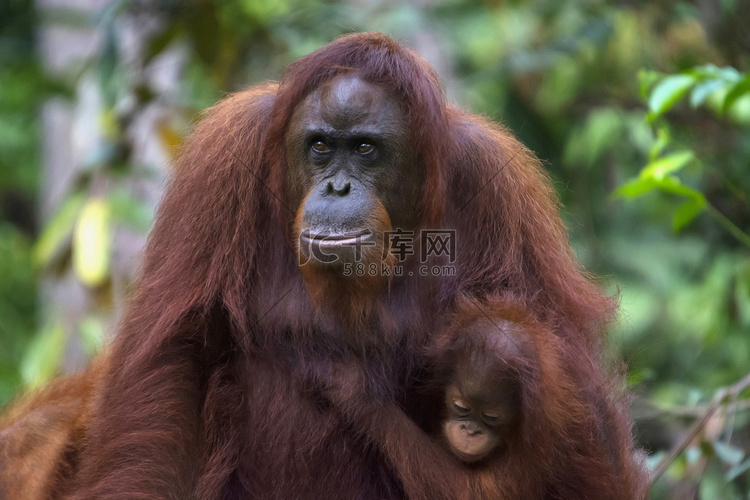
467, 457
340, 239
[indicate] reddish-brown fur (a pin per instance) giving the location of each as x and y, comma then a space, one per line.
41, 436
206, 393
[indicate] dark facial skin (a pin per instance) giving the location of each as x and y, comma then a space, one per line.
482, 401
351, 170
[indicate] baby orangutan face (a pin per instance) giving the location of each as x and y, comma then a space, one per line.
480, 408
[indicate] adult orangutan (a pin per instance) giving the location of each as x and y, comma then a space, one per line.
279, 339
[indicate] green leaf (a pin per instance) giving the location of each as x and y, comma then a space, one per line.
739, 113
730, 74
662, 167
42, 358
647, 79
662, 141
703, 90
92, 242
656, 175
687, 212
674, 186
667, 92
706, 72
57, 231
728, 454
740, 88
635, 187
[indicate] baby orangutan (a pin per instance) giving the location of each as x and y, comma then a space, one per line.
482, 403
482, 394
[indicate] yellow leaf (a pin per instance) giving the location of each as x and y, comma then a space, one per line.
92, 242
170, 138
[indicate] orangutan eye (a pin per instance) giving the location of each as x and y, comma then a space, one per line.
365, 148
320, 147
490, 419
460, 407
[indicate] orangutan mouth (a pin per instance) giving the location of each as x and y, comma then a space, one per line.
338, 239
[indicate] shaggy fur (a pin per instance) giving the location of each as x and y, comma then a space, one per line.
227, 380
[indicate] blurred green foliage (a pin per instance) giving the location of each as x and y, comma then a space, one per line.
640, 109
21, 86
